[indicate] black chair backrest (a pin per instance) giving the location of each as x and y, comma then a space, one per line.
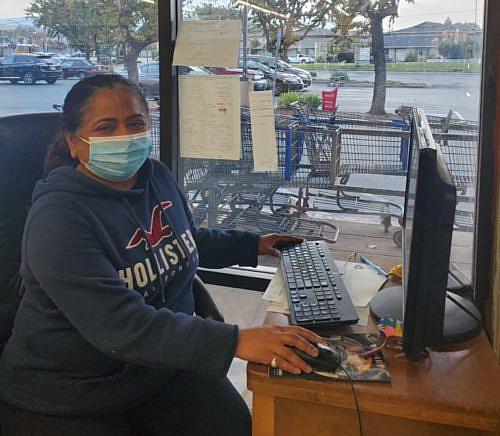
24, 140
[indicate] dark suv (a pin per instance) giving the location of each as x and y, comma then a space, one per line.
284, 82
80, 68
29, 69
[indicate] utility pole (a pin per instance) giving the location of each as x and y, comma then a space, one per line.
475, 13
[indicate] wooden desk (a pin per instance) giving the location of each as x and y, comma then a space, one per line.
454, 392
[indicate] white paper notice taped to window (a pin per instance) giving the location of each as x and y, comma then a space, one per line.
265, 151
209, 117
209, 43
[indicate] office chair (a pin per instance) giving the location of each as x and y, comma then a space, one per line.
24, 140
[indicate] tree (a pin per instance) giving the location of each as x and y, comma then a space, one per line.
460, 50
211, 11
374, 11
138, 23
303, 16
81, 22
100, 24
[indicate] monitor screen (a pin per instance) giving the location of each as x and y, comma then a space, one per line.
409, 207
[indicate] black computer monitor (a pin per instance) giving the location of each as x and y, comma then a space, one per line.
429, 318
427, 231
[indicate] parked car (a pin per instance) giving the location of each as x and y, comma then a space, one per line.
29, 69
282, 66
284, 82
301, 59
149, 77
80, 68
258, 80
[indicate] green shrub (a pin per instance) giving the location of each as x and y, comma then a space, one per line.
312, 100
411, 57
289, 97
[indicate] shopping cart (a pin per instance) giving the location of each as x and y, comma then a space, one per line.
367, 146
232, 194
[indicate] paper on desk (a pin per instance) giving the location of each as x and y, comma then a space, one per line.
360, 290
209, 117
361, 281
275, 294
208, 43
265, 150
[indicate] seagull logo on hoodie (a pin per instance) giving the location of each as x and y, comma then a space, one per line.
156, 233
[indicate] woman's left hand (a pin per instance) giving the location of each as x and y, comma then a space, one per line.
270, 244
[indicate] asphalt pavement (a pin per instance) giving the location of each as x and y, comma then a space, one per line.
445, 91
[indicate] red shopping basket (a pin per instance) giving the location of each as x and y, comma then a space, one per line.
330, 99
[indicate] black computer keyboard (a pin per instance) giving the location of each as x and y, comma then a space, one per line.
316, 292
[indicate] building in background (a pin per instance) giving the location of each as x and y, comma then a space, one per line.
425, 40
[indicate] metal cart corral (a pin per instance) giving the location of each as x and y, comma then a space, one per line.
231, 194
318, 157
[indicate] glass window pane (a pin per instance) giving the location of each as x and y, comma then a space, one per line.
356, 182
116, 36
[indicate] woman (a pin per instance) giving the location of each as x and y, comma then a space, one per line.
105, 341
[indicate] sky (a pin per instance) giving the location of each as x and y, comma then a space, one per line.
409, 14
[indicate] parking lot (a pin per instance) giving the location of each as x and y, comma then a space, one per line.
446, 91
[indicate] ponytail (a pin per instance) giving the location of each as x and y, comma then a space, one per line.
58, 155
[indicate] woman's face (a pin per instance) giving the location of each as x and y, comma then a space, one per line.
111, 112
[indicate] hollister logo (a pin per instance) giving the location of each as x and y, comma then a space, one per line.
157, 232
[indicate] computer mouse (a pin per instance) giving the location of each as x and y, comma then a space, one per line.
327, 360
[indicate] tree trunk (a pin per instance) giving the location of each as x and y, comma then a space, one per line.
379, 87
132, 53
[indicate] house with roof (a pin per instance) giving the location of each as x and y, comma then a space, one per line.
423, 39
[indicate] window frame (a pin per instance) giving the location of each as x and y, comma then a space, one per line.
485, 195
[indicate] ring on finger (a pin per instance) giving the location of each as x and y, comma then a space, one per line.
274, 362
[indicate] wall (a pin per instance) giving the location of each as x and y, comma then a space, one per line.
496, 248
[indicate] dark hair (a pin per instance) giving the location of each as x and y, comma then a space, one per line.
74, 108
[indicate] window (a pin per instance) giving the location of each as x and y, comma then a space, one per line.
103, 32
434, 63
360, 189
24, 59
154, 69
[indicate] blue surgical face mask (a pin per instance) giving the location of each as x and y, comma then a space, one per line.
117, 158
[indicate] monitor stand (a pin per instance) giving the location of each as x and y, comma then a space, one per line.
458, 325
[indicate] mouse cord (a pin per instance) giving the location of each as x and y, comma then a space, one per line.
355, 399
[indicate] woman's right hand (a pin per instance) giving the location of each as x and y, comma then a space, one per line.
263, 344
